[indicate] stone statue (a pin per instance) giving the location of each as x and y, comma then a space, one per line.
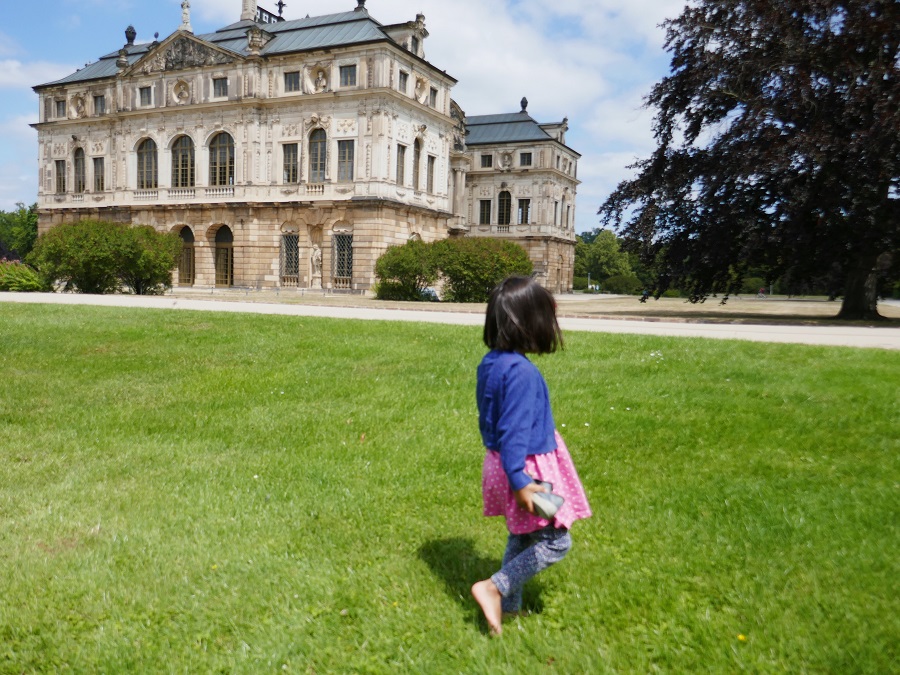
422, 90
315, 266
186, 15
321, 82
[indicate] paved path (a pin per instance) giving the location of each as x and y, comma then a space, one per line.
847, 336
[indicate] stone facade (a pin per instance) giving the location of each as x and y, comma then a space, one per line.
285, 154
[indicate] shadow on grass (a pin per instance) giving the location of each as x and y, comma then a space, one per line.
456, 562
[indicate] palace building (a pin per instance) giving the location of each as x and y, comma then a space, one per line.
294, 153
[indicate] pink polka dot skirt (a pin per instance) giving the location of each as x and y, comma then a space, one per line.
557, 468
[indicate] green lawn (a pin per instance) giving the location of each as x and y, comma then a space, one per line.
198, 492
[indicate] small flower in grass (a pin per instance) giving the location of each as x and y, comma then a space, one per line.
587, 424
742, 637
214, 568
563, 426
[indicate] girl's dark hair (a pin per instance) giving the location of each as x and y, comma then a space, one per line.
521, 317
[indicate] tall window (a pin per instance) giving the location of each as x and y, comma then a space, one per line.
485, 212
100, 105
318, 154
290, 259
147, 178
291, 163
146, 96
186, 262
524, 211
504, 211
220, 87
224, 257
342, 258
61, 109
401, 164
348, 76
345, 161
99, 174
404, 82
79, 171
60, 176
292, 81
430, 176
221, 160
183, 172
432, 98
417, 163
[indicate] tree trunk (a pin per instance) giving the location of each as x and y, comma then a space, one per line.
860, 295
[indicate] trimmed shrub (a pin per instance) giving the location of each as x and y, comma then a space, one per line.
404, 272
96, 256
18, 277
579, 283
472, 266
622, 284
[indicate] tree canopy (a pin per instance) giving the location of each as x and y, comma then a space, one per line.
778, 146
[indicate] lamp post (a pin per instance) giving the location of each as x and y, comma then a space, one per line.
589, 281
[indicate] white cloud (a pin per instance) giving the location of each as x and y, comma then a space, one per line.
15, 74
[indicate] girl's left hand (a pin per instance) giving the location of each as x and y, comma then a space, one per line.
523, 496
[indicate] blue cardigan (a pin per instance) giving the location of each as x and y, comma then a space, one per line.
514, 413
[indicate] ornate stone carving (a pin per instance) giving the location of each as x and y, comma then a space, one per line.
181, 92
78, 107
97, 147
346, 126
292, 130
317, 120
184, 53
423, 89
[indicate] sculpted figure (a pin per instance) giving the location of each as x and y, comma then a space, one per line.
321, 82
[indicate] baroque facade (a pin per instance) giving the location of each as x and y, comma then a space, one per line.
293, 153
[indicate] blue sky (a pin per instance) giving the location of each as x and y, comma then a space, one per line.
592, 61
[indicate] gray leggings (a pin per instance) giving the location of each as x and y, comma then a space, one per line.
525, 556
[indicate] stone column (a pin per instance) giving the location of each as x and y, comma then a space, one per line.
248, 10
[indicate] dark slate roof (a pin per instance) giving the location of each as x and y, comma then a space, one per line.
332, 30
507, 128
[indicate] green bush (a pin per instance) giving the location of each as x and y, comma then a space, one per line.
622, 284
579, 283
95, 256
405, 271
471, 267
752, 285
16, 276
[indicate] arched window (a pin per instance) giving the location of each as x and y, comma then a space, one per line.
504, 208
147, 178
417, 163
317, 155
221, 160
224, 257
186, 263
183, 163
79, 171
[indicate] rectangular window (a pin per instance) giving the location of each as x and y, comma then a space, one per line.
484, 217
61, 109
220, 87
524, 209
348, 76
487, 161
345, 161
292, 81
404, 82
291, 163
432, 101
60, 176
100, 105
430, 177
290, 260
342, 260
525, 159
80, 169
556, 213
99, 174
401, 164
146, 95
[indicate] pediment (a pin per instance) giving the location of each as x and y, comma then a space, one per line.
182, 51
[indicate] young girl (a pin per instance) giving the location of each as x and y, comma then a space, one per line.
522, 444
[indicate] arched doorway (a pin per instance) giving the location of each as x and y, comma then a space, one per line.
224, 257
186, 267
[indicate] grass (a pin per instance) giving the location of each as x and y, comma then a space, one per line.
201, 492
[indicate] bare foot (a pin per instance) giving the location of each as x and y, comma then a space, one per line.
488, 598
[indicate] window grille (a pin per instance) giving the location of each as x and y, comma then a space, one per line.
183, 163
342, 260
79, 171
317, 156
186, 263
224, 257
504, 208
221, 160
290, 260
147, 173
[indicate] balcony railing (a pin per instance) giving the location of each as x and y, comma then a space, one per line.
146, 195
220, 191
182, 193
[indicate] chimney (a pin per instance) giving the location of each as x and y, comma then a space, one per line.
248, 11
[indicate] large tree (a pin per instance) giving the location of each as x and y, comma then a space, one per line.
778, 146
